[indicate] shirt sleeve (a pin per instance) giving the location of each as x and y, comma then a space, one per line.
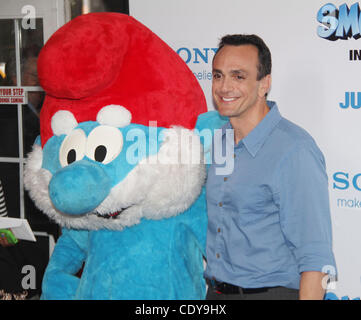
304, 208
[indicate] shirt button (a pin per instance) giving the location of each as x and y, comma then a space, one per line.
234, 156
220, 204
225, 179
219, 230
218, 255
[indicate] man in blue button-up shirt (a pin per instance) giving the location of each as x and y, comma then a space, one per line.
269, 231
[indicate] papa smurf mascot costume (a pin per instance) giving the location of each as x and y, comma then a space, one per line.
113, 164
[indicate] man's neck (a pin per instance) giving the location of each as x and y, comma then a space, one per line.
245, 123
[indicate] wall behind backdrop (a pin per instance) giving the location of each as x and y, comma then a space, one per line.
316, 82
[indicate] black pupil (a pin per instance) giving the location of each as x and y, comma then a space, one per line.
100, 153
71, 156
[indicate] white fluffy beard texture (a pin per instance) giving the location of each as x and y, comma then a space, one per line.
160, 186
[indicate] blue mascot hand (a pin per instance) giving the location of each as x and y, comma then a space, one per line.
60, 282
208, 124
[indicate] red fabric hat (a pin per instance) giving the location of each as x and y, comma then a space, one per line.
102, 59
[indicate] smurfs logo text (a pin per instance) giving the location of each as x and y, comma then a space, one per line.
339, 23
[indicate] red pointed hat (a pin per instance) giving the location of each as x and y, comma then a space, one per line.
102, 59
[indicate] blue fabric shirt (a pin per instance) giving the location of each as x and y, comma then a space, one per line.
269, 219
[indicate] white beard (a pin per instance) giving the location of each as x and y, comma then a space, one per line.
160, 186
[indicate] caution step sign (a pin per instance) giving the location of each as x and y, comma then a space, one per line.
13, 95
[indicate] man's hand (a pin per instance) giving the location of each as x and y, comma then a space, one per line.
311, 287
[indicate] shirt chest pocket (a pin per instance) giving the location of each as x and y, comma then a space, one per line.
251, 199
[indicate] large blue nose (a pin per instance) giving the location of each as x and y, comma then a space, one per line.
79, 188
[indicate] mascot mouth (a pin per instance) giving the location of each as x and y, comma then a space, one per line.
113, 215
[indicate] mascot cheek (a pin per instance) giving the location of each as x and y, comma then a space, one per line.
79, 188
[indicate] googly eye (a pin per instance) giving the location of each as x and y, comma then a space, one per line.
104, 144
73, 148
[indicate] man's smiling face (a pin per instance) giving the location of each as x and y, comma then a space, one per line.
235, 87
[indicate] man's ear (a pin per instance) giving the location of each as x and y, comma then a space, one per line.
265, 85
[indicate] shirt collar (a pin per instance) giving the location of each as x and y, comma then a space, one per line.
257, 137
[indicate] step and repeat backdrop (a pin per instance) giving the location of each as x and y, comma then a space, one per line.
316, 51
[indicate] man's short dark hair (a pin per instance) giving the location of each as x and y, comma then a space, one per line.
264, 54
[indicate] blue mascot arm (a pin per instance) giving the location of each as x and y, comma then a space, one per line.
60, 282
206, 125
191, 232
